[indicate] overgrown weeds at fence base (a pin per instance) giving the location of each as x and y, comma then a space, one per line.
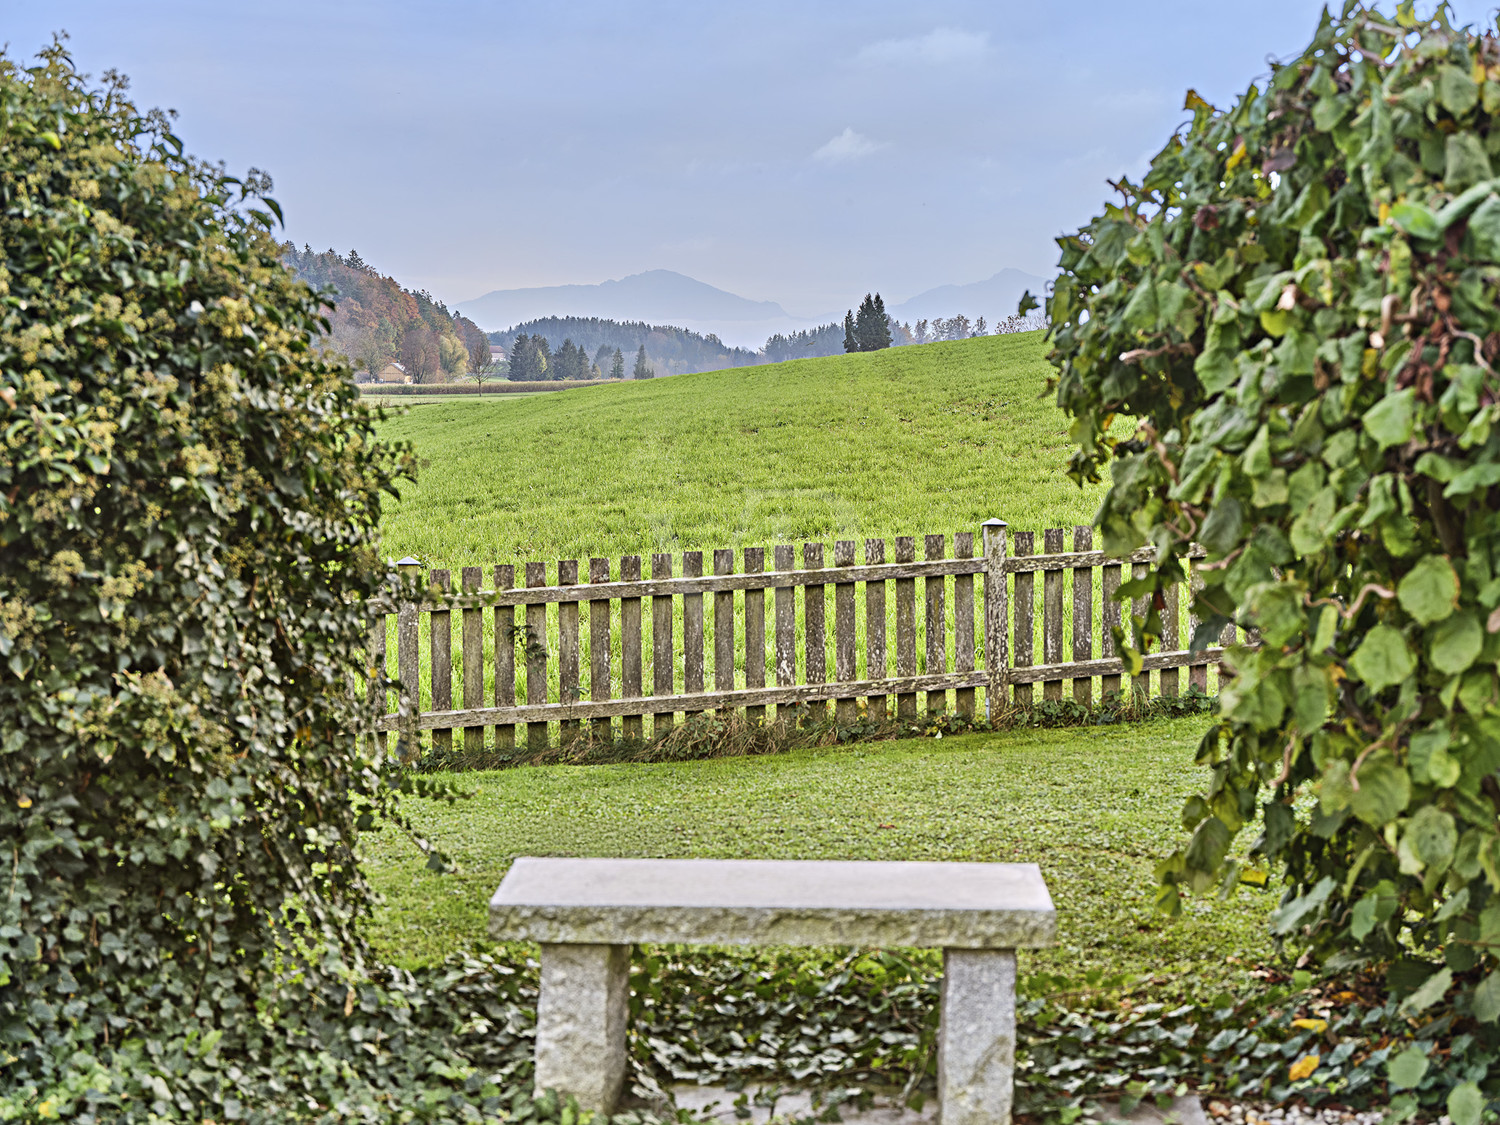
715, 735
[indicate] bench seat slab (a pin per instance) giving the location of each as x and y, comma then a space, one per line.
774, 902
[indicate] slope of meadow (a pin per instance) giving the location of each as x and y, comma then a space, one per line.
906, 441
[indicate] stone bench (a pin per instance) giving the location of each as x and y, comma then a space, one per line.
587, 913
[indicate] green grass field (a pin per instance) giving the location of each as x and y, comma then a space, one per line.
1095, 807
906, 441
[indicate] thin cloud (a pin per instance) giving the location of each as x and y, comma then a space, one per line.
848, 145
942, 46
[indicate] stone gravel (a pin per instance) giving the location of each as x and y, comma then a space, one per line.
1233, 1113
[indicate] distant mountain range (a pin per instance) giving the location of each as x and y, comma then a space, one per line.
656, 297
992, 299
666, 297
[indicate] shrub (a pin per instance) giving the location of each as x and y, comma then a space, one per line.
1299, 304
189, 496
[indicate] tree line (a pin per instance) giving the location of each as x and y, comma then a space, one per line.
375, 322
530, 359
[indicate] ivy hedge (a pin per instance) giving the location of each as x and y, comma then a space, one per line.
1300, 303
189, 498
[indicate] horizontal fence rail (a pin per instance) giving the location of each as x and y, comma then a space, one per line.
534, 657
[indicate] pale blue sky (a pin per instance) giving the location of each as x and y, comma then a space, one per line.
802, 152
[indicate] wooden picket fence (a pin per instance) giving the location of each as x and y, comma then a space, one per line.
535, 677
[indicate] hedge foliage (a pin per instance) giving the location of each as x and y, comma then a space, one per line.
1300, 303
189, 497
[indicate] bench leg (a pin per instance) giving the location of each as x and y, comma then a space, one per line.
580, 1023
977, 1037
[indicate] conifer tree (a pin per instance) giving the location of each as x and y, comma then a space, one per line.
851, 336
617, 368
872, 330
642, 371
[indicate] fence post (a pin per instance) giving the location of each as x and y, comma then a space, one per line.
996, 650
408, 661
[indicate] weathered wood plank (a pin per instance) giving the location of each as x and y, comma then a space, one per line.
377, 698
1052, 612
692, 629
600, 671
472, 633
631, 726
1114, 665
846, 708
996, 619
536, 656
704, 584
408, 667
755, 631
1025, 614
906, 627
963, 623
724, 625
712, 583
505, 657
936, 622
662, 646
567, 646
1171, 640
785, 556
440, 647
815, 640
1141, 684
796, 693
1198, 670
1083, 615
875, 658
1109, 580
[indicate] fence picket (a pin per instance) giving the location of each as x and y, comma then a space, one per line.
996, 618
1109, 580
963, 623
846, 708
599, 648
936, 547
692, 630
536, 656
815, 656
755, 632
471, 578
1025, 612
786, 629
662, 647
631, 726
567, 645
906, 627
1052, 613
505, 657
376, 696
440, 647
724, 625
1140, 685
1169, 678
1198, 670
1083, 615
875, 665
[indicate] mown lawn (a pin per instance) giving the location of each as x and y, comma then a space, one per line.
1095, 807
907, 441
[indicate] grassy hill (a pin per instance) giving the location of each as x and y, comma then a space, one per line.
906, 441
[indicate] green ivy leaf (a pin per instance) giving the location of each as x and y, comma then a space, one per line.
1407, 1069
1457, 92
1383, 659
1466, 1104
1431, 990
1487, 998
1430, 838
1416, 220
1457, 643
1389, 421
1429, 592
1384, 789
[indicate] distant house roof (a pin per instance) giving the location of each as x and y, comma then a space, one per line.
393, 373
